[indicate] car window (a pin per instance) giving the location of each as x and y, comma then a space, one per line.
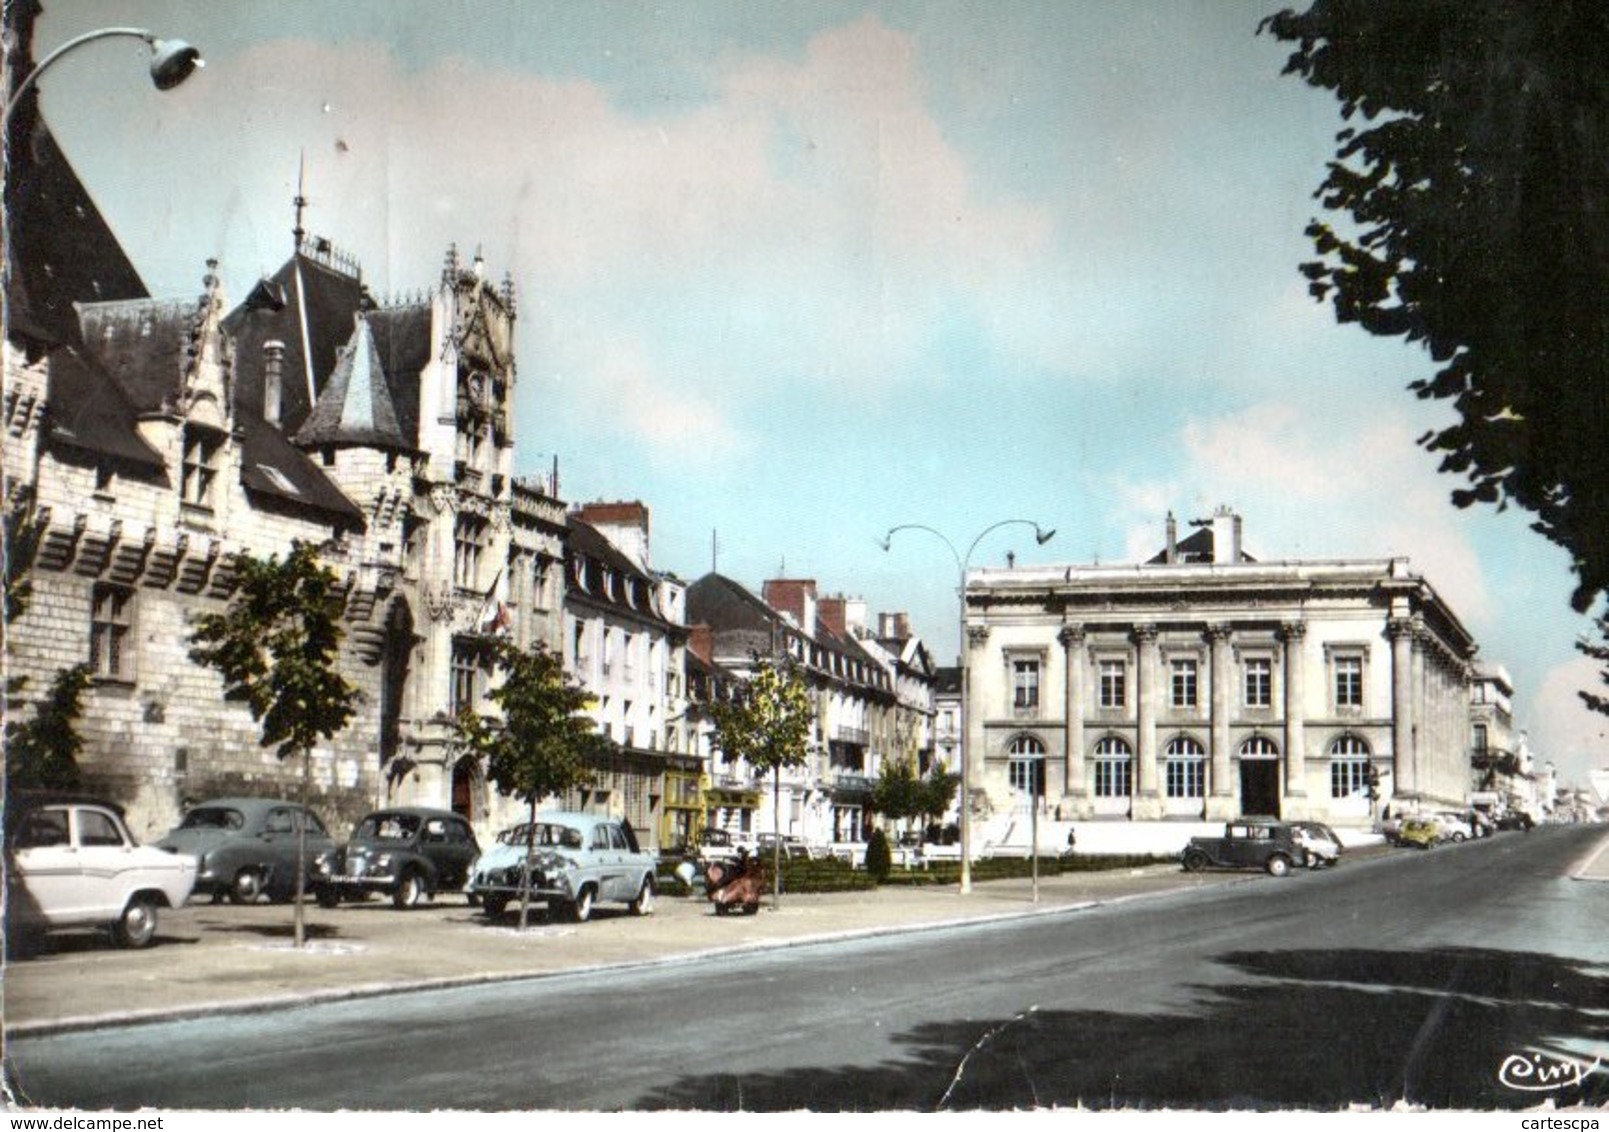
314, 825
571, 839
459, 833
600, 837
279, 821
435, 830
213, 817
388, 827
98, 829
617, 840
42, 829
631, 837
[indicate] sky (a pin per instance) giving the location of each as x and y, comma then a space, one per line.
793, 274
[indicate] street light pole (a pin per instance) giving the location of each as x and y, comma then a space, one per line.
962, 563
172, 61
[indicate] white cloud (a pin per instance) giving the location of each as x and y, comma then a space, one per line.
1564, 731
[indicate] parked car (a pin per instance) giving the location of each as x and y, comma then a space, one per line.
791, 846
579, 860
1457, 826
246, 847
1319, 840
410, 853
71, 863
1516, 819
1262, 844
1420, 831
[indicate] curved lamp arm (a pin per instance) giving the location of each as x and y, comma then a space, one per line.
172, 61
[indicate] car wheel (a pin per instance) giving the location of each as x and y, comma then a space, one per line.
752, 907
248, 886
1458, 837
410, 891
136, 927
326, 895
495, 906
581, 908
1278, 865
644, 904
1195, 862
722, 909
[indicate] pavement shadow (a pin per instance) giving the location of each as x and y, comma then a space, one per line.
1442, 1029
312, 929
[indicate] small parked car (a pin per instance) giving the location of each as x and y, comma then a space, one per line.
71, 862
410, 853
578, 860
1319, 840
246, 847
1420, 831
1260, 844
791, 846
1456, 826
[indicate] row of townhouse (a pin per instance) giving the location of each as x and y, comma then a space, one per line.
151, 441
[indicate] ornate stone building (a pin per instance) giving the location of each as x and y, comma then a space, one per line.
157, 439
1205, 684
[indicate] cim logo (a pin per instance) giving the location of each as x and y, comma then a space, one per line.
1542, 1073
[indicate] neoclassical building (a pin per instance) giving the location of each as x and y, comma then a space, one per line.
1203, 684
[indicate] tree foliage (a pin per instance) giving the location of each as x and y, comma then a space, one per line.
275, 646
936, 792
1598, 650
1471, 178
22, 533
42, 753
767, 725
898, 793
544, 745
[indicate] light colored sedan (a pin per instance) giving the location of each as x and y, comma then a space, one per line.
576, 861
72, 863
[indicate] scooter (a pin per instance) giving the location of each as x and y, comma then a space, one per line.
737, 884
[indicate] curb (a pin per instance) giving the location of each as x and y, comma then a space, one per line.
1584, 870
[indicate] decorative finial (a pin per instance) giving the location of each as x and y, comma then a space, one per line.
449, 268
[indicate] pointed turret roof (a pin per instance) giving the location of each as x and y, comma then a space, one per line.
355, 406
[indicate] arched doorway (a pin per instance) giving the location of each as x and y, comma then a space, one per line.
1259, 778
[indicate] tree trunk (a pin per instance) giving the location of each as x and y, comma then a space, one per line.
776, 829
298, 915
525, 871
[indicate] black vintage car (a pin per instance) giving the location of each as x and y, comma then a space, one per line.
411, 853
1262, 844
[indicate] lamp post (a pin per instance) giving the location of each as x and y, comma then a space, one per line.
962, 563
172, 61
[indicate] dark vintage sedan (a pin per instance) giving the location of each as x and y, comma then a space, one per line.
408, 852
247, 847
1270, 845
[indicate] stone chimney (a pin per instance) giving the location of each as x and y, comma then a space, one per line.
1226, 536
625, 525
1171, 555
894, 626
701, 642
273, 365
830, 611
795, 597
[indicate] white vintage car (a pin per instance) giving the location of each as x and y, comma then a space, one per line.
576, 861
72, 863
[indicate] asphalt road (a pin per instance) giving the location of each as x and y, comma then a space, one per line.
1470, 977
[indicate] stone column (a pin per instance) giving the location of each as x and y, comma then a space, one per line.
1403, 656
1223, 682
1072, 643
1294, 637
1146, 799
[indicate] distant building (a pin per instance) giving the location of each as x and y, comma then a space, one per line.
1204, 684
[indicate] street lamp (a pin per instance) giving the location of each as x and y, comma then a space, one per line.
172, 61
962, 562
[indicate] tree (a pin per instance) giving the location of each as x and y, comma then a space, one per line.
42, 754
767, 725
936, 792
1598, 650
897, 795
543, 745
275, 646
1476, 227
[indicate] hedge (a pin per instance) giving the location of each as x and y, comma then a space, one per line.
807, 875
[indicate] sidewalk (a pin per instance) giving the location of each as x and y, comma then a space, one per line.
211, 958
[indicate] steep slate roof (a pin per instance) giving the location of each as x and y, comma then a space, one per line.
586, 541
719, 602
355, 405
1199, 547
141, 344
89, 411
271, 465
62, 250
330, 298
